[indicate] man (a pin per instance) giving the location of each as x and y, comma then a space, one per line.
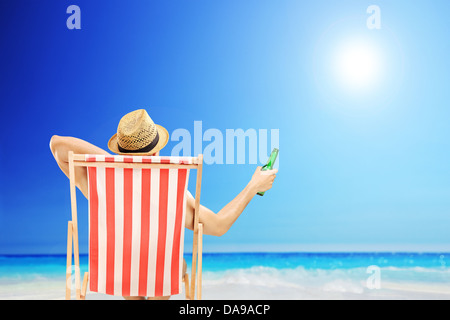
137, 134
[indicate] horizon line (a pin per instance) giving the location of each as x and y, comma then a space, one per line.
284, 248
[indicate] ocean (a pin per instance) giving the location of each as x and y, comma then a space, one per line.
274, 276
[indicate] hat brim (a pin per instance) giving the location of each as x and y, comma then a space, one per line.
163, 139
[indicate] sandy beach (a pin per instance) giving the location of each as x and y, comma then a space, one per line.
258, 283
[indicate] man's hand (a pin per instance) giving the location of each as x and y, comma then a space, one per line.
262, 180
218, 224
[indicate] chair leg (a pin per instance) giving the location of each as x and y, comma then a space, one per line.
69, 260
199, 267
84, 288
186, 285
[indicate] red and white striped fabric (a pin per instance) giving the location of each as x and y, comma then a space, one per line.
136, 226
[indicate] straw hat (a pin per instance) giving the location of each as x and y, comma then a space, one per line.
138, 135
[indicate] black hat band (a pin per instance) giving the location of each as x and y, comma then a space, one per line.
147, 148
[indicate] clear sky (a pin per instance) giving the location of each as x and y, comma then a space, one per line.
363, 114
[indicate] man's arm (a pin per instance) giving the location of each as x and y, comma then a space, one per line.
218, 224
60, 147
214, 224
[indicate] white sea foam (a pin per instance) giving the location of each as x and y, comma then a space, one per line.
272, 283
301, 283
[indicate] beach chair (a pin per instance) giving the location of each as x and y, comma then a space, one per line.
137, 210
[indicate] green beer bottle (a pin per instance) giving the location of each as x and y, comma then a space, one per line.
269, 164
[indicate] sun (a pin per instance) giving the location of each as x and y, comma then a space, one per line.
356, 69
358, 65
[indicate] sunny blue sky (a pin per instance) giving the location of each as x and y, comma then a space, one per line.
362, 113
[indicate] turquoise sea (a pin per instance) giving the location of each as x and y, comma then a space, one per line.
264, 276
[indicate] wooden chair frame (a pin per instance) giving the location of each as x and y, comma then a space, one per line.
78, 160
